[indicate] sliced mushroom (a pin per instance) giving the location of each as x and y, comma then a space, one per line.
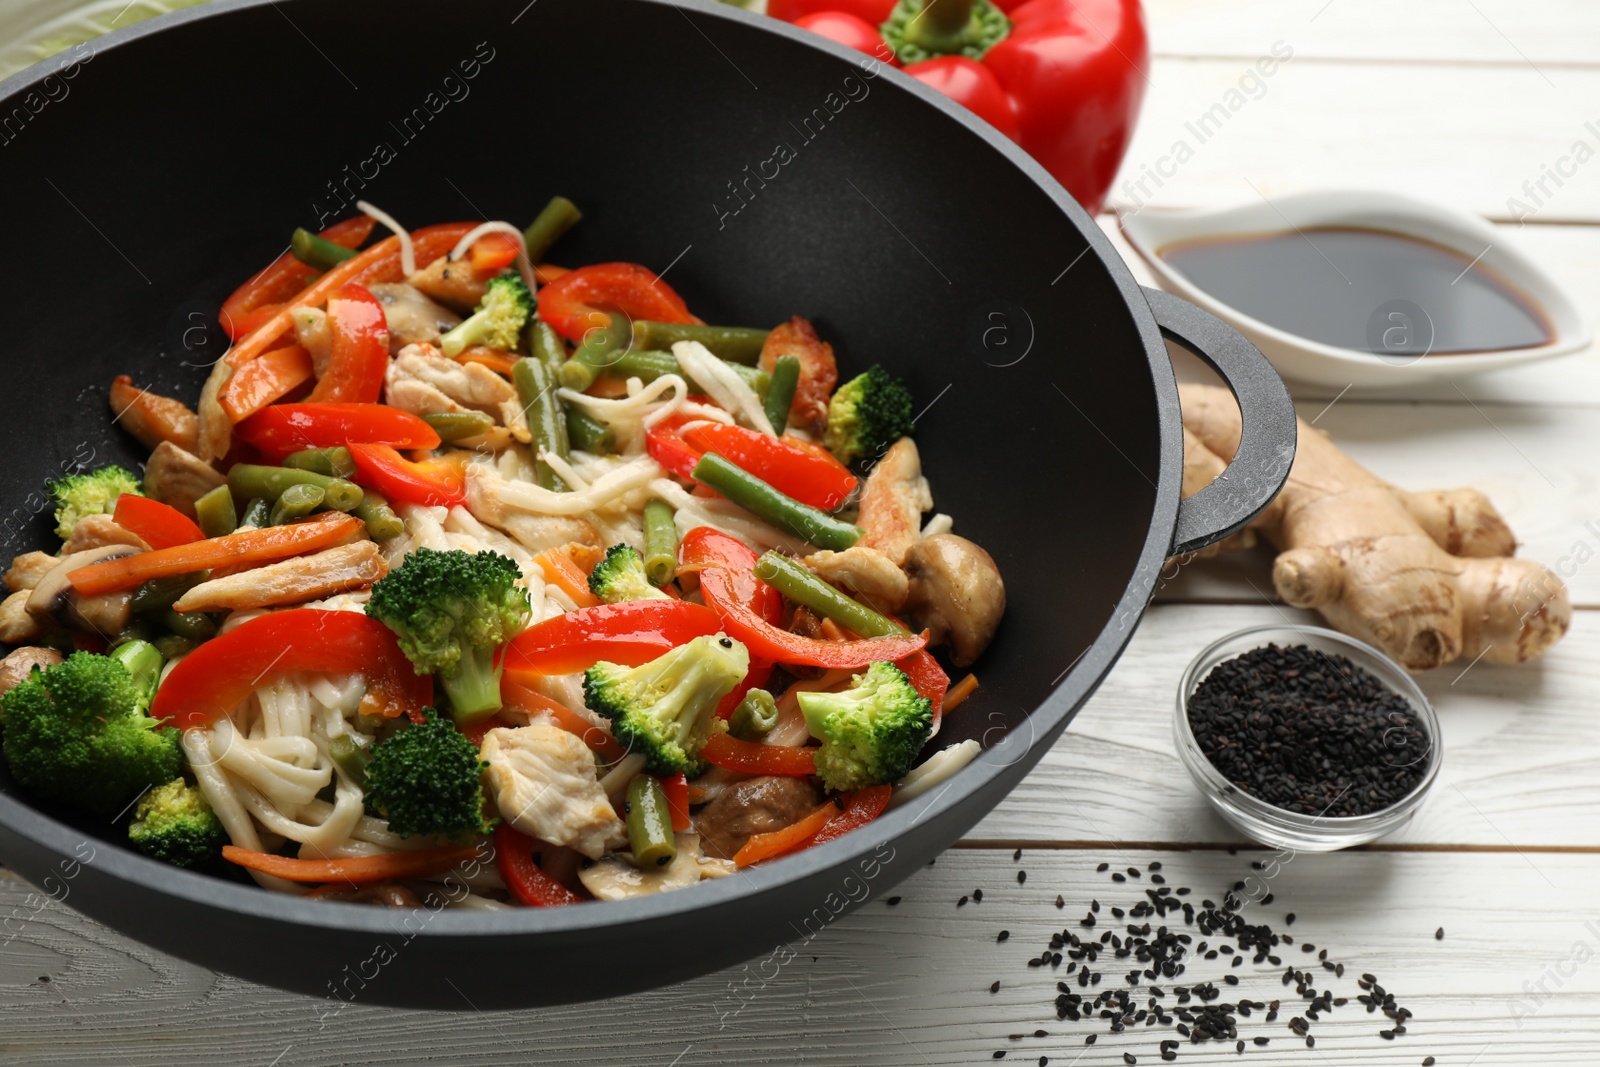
28, 568
98, 531
617, 879
179, 478
955, 593
411, 315
17, 667
54, 604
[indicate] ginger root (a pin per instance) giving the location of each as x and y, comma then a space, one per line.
1426, 577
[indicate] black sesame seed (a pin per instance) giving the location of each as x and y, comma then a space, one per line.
892, 901
1119, 878
1022, 876
1288, 920
1017, 855
962, 902
1129, 1058
999, 1053
1428, 1062
1003, 935
1438, 935
995, 986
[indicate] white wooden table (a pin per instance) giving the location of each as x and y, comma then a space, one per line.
1459, 100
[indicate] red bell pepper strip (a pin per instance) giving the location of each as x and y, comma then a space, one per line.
852, 31
432, 483
493, 253
753, 757
929, 680
160, 525
860, 808
712, 552
806, 472
360, 352
755, 677
517, 694
667, 447
476, 729
263, 296
354, 870
380, 263
284, 428
214, 678
1068, 76
513, 857
771, 845
230, 550
267, 378
632, 633
577, 301
676, 789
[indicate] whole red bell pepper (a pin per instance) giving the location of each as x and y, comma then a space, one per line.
1063, 78
210, 681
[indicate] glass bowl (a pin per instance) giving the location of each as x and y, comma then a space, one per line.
1275, 826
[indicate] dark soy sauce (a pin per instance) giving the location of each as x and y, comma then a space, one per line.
1368, 290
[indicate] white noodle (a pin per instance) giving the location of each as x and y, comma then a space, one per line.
724, 516
939, 524
408, 251
629, 416
936, 769
537, 500
564, 469
723, 384
524, 267
615, 781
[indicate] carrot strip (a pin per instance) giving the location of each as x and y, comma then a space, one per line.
517, 694
244, 547
357, 870
380, 263
545, 273
561, 572
269, 377
765, 846
960, 691
494, 359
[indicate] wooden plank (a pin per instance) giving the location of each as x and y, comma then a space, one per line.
1506, 32
907, 984
1521, 748
1572, 256
1468, 136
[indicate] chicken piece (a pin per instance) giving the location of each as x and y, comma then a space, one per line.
819, 372
214, 430
152, 418
333, 570
452, 283
312, 331
617, 879
955, 594
17, 624
893, 500
533, 532
28, 568
179, 478
411, 316
97, 531
470, 384
864, 573
417, 397
754, 806
15, 668
544, 782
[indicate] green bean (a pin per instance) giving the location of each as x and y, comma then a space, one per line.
195, 625
599, 349
803, 587
171, 646
382, 522
137, 630
144, 661
351, 758
558, 216
589, 434
215, 514
660, 542
296, 502
547, 420
159, 594
251, 480
650, 823
545, 344
736, 344
335, 462
257, 513
780, 393
647, 365
755, 715
318, 252
762, 500
457, 425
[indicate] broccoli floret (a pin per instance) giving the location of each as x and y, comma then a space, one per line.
174, 823
425, 780
93, 493
870, 732
498, 320
867, 414
620, 576
77, 733
452, 611
665, 710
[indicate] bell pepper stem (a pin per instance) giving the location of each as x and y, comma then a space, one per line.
942, 20
922, 29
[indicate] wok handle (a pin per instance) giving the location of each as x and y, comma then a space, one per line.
1266, 443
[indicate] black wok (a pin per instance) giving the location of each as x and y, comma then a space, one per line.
146, 174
